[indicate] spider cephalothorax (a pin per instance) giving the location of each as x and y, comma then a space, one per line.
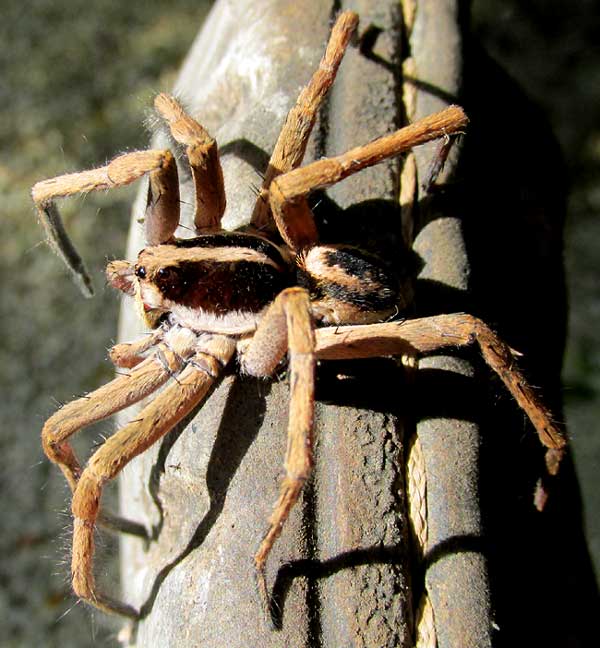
259, 293
217, 282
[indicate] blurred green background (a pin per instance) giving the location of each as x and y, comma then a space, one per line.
76, 80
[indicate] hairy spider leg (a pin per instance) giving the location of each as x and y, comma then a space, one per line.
160, 416
430, 334
129, 354
292, 141
287, 325
149, 374
287, 193
162, 212
116, 395
203, 157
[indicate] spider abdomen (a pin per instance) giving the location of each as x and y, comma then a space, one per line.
348, 285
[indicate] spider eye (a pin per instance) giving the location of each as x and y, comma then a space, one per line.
140, 272
167, 274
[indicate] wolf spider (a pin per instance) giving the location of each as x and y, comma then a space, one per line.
256, 293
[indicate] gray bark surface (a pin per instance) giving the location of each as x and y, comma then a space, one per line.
457, 581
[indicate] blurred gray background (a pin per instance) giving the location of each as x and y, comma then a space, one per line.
76, 80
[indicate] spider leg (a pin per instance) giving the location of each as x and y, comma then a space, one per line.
162, 212
431, 334
116, 395
130, 354
153, 422
287, 324
293, 139
287, 193
203, 156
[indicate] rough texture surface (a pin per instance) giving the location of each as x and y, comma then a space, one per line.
456, 580
362, 524
456, 576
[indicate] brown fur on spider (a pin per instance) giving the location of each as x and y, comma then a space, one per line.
221, 293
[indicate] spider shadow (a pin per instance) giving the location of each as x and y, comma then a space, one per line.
247, 151
455, 398
408, 398
367, 43
395, 555
232, 442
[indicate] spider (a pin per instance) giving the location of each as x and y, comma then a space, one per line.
255, 293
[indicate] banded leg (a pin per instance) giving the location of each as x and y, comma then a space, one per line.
162, 214
287, 193
154, 421
431, 334
287, 324
203, 156
293, 139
